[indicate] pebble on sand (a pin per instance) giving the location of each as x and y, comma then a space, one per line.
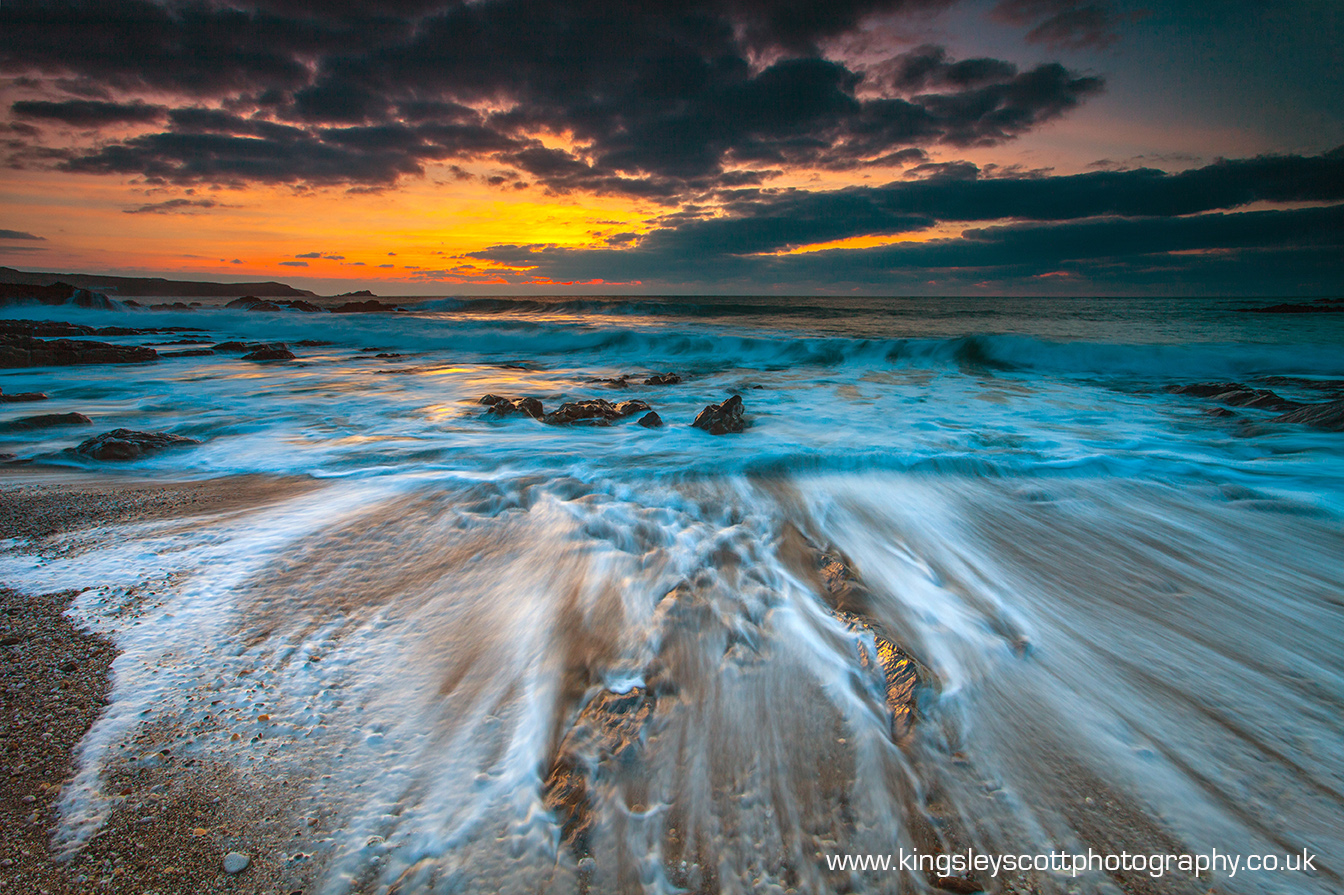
236, 862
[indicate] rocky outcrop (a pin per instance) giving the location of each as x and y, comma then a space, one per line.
651, 420
45, 421
22, 397
55, 294
128, 444
499, 408
1236, 395
25, 351
1319, 306
368, 306
596, 412
722, 419
663, 379
190, 352
278, 351
1323, 416
55, 329
362, 293
252, 303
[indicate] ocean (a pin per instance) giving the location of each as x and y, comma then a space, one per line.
1126, 605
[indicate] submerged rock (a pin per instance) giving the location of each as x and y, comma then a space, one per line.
25, 351
22, 397
55, 294
722, 419
651, 420
1236, 395
128, 444
594, 412
278, 351
1323, 416
46, 421
369, 306
502, 407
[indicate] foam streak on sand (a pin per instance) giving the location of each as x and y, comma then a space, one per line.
1004, 593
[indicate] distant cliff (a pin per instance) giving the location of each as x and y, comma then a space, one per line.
150, 286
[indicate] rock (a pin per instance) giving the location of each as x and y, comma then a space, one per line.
252, 303
503, 407
1323, 416
22, 397
55, 294
25, 351
236, 862
1236, 395
722, 419
46, 421
1319, 306
236, 346
369, 306
594, 412
362, 293
651, 420
172, 306
663, 379
313, 343
486, 399
388, 354
270, 352
192, 352
618, 382
127, 444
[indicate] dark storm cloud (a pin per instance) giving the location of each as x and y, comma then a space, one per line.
1065, 23
20, 234
88, 113
663, 102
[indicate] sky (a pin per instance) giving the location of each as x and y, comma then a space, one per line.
889, 147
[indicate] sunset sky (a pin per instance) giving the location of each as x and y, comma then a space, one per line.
899, 147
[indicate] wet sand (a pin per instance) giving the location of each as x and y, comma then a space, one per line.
173, 821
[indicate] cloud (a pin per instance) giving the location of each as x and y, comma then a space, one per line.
309, 255
293, 263
88, 112
718, 95
20, 234
1071, 24
173, 206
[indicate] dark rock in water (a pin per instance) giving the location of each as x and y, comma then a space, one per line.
172, 306
1220, 412
1236, 395
663, 379
1319, 306
369, 306
502, 407
1323, 416
235, 346
651, 420
489, 399
722, 419
313, 343
191, 352
388, 354
618, 382
22, 397
306, 307
278, 351
127, 444
362, 293
252, 303
55, 294
46, 421
594, 412
24, 351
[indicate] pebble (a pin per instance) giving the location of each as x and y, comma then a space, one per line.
236, 862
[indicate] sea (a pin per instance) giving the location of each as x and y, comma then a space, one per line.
1126, 603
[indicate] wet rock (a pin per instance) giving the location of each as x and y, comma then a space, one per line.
1319, 306
362, 293
46, 421
25, 351
722, 419
128, 444
252, 303
22, 397
504, 407
1323, 416
618, 382
192, 352
368, 306
236, 862
594, 412
487, 400
55, 294
172, 306
235, 347
1236, 395
651, 420
609, 728
278, 351
388, 355
663, 379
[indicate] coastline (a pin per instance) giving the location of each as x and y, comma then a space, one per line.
173, 822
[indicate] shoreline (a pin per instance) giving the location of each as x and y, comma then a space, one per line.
172, 822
